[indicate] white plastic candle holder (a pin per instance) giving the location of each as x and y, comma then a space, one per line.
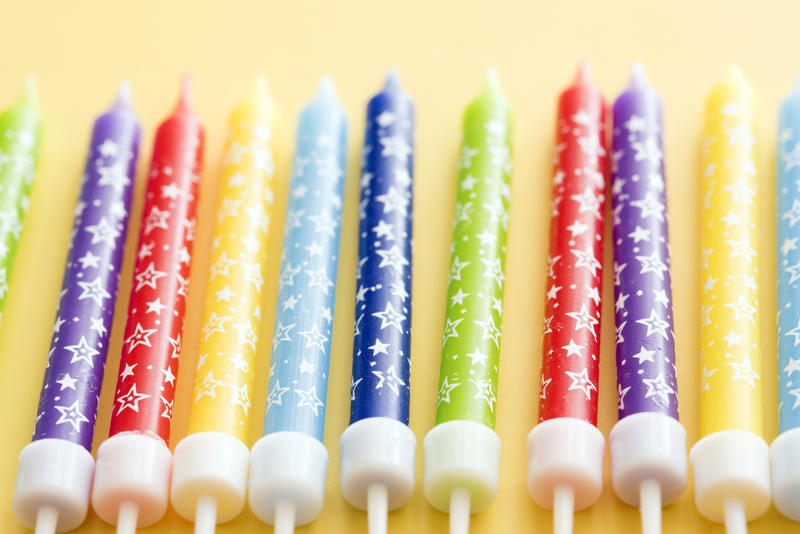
287, 479
462, 470
648, 464
731, 478
377, 467
131, 481
786, 473
565, 467
209, 479
54, 478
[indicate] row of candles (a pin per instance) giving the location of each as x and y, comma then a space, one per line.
212, 472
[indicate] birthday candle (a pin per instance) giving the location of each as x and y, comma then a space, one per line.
785, 469
135, 460
566, 436
47, 494
291, 453
203, 488
731, 460
465, 403
20, 142
648, 445
377, 458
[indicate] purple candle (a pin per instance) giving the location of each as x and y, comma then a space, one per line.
74, 375
643, 310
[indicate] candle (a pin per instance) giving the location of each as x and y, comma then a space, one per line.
20, 142
566, 436
48, 495
134, 462
785, 471
291, 453
465, 403
648, 445
731, 460
377, 458
204, 489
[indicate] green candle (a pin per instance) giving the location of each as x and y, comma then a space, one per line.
471, 339
20, 140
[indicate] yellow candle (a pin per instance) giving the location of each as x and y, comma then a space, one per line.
730, 396
232, 312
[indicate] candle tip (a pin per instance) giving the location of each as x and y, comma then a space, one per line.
492, 78
638, 77
31, 88
460, 510
185, 101
584, 74
326, 89
260, 86
735, 75
124, 92
392, 82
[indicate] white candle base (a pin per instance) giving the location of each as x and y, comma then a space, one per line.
563, 509
287, 468
54, 479
786, 473
735, 518
377, 450
465, 456
209, 466
284, 517
731, 465
132, 470
565, 452
648, 460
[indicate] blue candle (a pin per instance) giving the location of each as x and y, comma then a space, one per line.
288, 464
377, 449
785, 469
382, 333
301, 343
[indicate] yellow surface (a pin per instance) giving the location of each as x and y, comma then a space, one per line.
80, 51
731, 382
225, 370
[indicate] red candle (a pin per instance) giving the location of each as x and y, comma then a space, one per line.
151, 347
565, 449
135, 460
568, 386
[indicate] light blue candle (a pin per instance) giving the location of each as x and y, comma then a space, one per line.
788, 187
301, 342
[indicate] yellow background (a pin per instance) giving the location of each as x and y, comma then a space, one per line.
81, 49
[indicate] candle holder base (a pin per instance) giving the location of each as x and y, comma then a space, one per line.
461, 455
377, 450
288, 468
648, 446
786, 473
731, 465
132, 469
56, 474
565, 452
210, 466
